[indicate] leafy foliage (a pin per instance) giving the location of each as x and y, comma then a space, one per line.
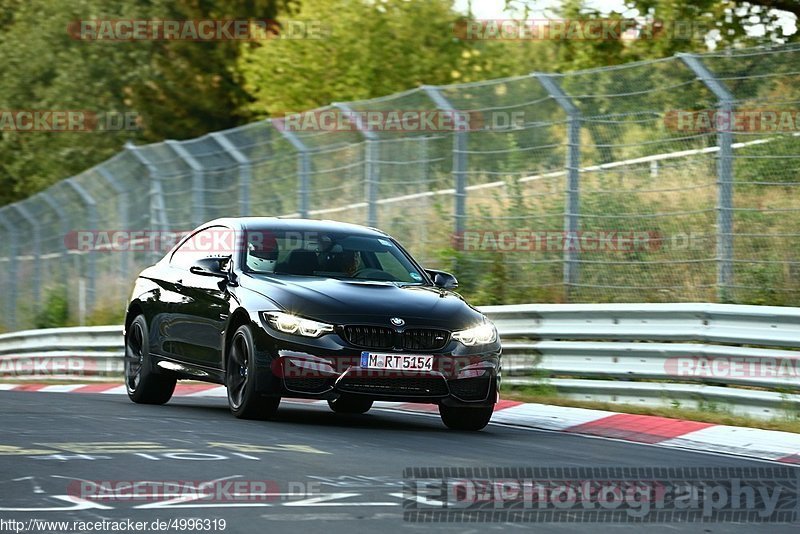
55, 312
372, 49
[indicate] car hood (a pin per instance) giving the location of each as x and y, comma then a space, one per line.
355, 301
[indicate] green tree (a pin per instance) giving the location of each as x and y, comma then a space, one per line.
724, 23
372, 49
178, 89
191, 87
46, 69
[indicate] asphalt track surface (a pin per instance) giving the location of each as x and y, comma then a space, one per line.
351, 466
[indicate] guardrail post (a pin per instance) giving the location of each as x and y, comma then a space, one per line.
725, 103
158, 212
36, 249
198, 182
245, 170
303, 170
459, 163
11, 295
123, 201
573, 205
91, 259
371, 174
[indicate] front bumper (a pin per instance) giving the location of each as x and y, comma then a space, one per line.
328, 367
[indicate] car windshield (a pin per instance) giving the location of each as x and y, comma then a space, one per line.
329, 255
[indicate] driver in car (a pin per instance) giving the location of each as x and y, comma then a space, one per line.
262, 252
343, 262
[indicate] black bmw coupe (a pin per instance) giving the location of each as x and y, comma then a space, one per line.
297, 308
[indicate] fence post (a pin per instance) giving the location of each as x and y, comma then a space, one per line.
371, 174
158, 212
303, 171
198, 182
123, 200
63, 223
58, 209
11, 303
91, 258
36, 249
725, 103
60, 213
572, 208
459, 164
245, 170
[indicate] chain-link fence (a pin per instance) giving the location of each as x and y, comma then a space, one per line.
670, 180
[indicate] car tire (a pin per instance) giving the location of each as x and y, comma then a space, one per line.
349, 404
240, 373
144, 384
459, 418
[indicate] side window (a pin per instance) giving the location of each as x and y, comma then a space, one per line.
214, 241
392, 265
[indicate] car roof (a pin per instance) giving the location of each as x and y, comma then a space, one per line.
304, 225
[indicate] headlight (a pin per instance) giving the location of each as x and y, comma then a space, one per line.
482, 334
292, 324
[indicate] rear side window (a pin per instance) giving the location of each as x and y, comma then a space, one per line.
213, 241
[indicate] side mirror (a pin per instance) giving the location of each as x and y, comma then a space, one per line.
443, 279
212, 266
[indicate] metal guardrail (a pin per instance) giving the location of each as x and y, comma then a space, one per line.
706, 356
85, 353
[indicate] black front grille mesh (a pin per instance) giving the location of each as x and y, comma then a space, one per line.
370, 337
425, 339
475, 388
379, 337
307, 384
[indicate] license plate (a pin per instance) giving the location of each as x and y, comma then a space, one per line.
407, 362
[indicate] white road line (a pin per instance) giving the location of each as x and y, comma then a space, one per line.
61, 388
119, 390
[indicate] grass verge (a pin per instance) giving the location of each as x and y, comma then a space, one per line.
547, 395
